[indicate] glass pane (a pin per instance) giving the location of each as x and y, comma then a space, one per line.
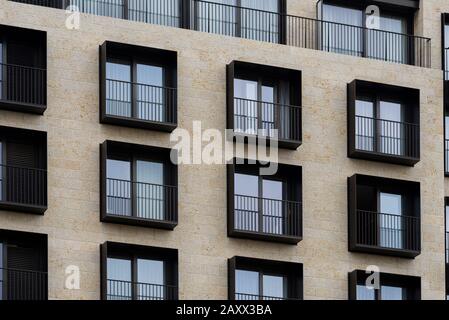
150, 278
446, 143
118, 89
260, 24
268, 110
273, 287
391, 129
246, 285
344, 35
150, 190
392, 293
364, 293
446, 51
119, 284
118, 187
109, 8
216, 16
162, 12
273, 217
364, 125
150, 93
246, 207
447, 234
245, 106
391, 229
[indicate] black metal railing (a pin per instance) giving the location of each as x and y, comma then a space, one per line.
387, 137
446, 64
21, 84
446, 156
259, 117
24, 186
23, 285
267, 216
387, 230
127, 290
141, 200
262, 25
140, 101
248, 296
447, 247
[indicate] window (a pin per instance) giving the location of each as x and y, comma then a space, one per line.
264, 101
140, 185
265, 207
383, 122
251, 19
384, 216
138, 86
138, 272
257, 279
391, 287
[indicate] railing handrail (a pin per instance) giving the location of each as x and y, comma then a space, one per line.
141, 84
391, 121
262, 198
402, 216
144, 183
23, 67
26, 168
265, 102
25, 271
143, 283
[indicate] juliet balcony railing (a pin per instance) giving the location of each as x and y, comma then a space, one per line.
391, 138
259, 117
140, 200
382, 230
446, 64
23, 187
267, 216
23, 285
127, 290
447, 247
262, 25
139, 101
247, 296
446, 156
23, 85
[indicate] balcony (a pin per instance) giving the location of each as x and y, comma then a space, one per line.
263, 25
127, 290
22, 285
23, 189
255, 297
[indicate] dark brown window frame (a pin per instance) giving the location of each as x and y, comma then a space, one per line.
259, 72
291, 175
410, 191
409, 98
133, 252
139, 54
38, 71
293, 273
134, 151
411, 283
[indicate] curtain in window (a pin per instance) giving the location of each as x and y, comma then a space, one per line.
150, 279
108, 8
118, 187
273, 215
118, 89
150, 190
390, 42
287, 114
273, 287
261, 20
246, 202
363, 293
268, 110
364, 125
150, 93
119, 286
162, 12
246, 285
246, 117
391, 128
391, 221
392, 293
216, 16
344, 35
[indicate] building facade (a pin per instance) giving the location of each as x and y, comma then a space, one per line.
86, 112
